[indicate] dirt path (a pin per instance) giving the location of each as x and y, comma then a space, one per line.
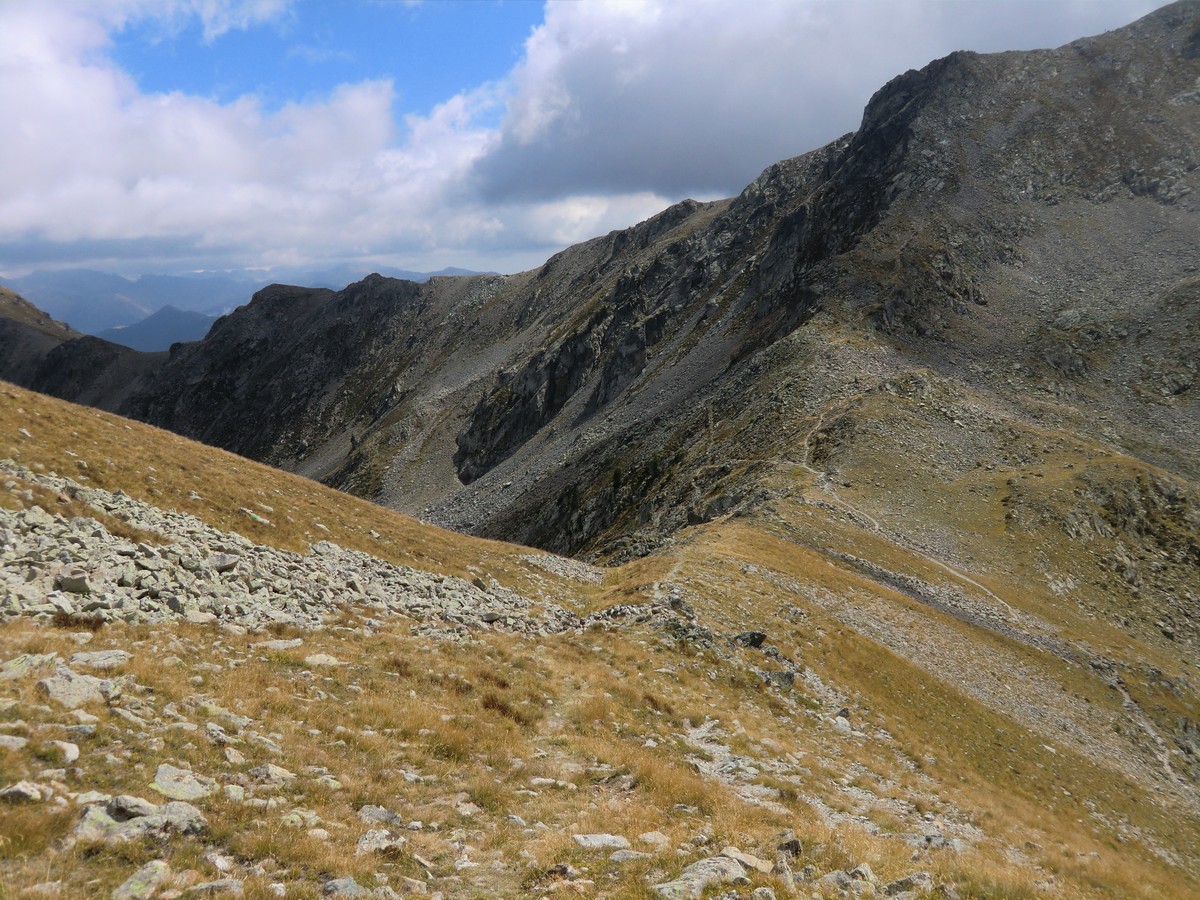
823, 483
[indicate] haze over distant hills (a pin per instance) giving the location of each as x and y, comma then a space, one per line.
95, 302
161, 329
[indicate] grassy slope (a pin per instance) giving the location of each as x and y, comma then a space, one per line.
1040, 814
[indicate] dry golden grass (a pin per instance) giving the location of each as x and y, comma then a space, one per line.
163, 469
424, 727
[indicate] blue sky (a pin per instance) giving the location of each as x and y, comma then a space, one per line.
181, 135
431, 50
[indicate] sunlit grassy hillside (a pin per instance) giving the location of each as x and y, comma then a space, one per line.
816, 672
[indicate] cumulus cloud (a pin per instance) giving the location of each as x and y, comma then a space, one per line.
615, 110
701, 96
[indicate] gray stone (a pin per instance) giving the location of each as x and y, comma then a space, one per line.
71, 690
181, 784
69, 751
175, 817
22, 792
623, 856
231, 887
344, 887
144, 882
12, 742
96, 825
222, 562
126, 806
101, 659
180, 817
27, 664
380, 840
271, 775
917, 882
73, 581
371, 813
601, 841
695, 878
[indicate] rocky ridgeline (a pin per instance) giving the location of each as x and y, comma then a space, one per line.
75, 570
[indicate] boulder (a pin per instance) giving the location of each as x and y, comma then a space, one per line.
695, 878
71, 690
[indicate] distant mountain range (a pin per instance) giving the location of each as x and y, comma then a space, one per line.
170, 325
96, 302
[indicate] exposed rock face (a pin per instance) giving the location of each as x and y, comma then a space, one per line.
1021, 223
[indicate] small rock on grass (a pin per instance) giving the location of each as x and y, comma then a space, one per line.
601, 841
623, 856
695, 878
22, 792
144, 882
322, 659
71, 690
27, 664
181, 784
344, 887
750, 862
655, 839
101, 659
69, 751
224, 887
380, 840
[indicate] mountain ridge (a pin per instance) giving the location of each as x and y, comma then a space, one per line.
844, 231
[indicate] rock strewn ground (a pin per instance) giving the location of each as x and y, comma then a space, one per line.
75, 569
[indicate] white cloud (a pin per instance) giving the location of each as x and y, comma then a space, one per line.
689, 96
616, 110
